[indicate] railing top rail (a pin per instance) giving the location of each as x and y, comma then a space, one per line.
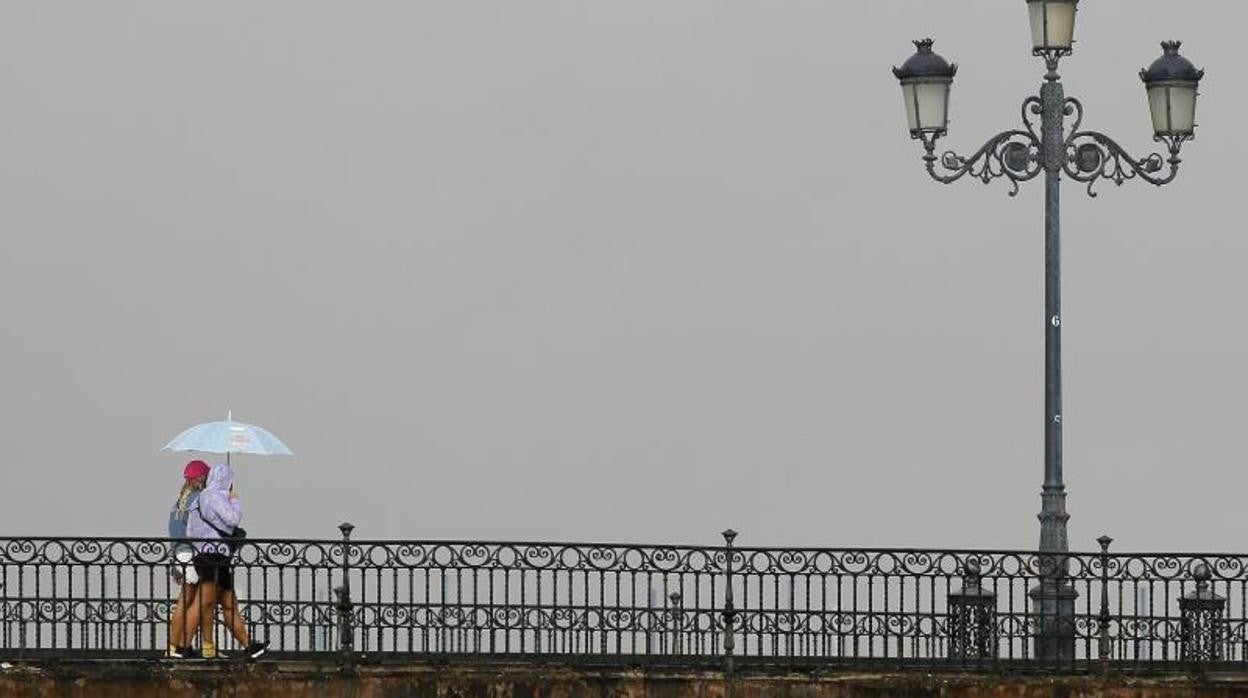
739, 549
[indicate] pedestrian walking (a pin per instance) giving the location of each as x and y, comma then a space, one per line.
214, 521
184, 621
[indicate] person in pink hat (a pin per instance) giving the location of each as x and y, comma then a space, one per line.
185, 618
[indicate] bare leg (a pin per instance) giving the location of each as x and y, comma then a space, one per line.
185, 616
177, 621
207, 600
191, 593
233, 619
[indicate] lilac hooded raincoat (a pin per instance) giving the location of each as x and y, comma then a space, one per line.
216, 508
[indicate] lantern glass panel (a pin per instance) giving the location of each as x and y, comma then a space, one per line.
1058, 32
926, 105
912, 107
1173, 108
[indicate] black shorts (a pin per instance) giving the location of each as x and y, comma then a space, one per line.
215, 568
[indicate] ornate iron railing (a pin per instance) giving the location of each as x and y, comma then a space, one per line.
373, 600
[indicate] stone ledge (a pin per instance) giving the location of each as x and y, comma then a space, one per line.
306, 678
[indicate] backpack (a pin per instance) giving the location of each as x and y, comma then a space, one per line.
177, 524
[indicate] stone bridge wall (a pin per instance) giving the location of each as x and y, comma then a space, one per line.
158, 679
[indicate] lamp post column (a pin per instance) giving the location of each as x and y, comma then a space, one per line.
1053, 597
1053, 514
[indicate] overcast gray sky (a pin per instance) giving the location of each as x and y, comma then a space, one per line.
627, 271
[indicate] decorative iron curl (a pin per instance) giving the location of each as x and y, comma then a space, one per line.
1074, 108
1032, 106
1013, 155
1092, 156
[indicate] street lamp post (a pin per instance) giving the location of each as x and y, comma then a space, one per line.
1060, 147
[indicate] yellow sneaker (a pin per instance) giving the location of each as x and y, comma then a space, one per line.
208, 651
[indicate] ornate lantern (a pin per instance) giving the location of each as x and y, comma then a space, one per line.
1171, 82
925, 79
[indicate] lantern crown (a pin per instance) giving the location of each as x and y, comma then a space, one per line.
1171, 66
925, 63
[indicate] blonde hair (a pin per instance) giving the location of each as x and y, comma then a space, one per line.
189, 488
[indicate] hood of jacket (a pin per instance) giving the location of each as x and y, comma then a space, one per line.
220, 478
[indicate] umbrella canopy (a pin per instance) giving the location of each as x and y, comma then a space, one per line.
227, 437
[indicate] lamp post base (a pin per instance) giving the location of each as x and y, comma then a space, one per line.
1053, 614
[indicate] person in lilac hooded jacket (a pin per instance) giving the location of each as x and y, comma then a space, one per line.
214, 518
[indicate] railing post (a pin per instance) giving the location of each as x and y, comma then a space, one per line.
677, 615
1103, 647
1201, 620
346, 628
972, 616
730, 611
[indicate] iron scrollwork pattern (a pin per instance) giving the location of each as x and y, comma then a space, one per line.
95, 597
1089, 156
1013, 155
1092, 156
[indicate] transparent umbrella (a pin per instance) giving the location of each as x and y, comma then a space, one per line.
229, 437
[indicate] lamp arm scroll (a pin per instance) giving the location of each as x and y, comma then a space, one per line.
1092, 156
1013, 155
